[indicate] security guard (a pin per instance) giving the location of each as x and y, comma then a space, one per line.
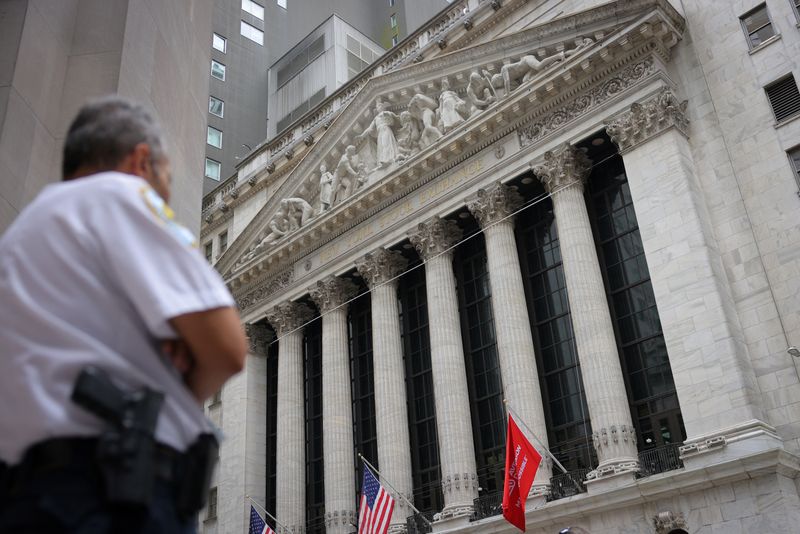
113, 330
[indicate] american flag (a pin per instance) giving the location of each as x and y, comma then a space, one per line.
376, 506
257, 525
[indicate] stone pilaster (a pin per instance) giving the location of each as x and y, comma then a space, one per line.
563, 172
719, 395
330, 296
433, 240
379, 269
493, 207
290, 483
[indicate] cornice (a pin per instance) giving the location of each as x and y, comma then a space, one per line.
529, 103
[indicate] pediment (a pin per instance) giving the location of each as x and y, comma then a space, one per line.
408, 124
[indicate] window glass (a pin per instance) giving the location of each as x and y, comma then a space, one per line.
209, 250
219, 43
257, 10
794, 157
212, 169
393, 20
218, 70
214, 137
223, 242
282, 3
757, 26
394, 40
216, 106
252, 33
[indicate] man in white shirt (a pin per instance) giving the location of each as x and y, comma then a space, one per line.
95, 272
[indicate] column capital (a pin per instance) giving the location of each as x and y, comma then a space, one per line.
380, 265
563, 166
288, 315
494, 203
434, 236
647, 119
259, 337
331, 292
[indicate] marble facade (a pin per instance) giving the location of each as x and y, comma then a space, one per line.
717, 214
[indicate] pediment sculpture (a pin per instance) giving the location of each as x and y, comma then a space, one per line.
395, 134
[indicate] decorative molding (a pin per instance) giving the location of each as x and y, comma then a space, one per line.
460, 481
259, 337
264, 289
564, 166
435, 237
495, 203
648, 119
380, 266
288, 316
344, 518
331, 292
666, 522
702, 447
586, 103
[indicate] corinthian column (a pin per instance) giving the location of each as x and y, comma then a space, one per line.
330, 295
563, 173
290, 476
456, 451
379, 268
493, 207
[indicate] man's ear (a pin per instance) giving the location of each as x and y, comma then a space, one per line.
137, 162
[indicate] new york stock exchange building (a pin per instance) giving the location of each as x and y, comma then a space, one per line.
585, 212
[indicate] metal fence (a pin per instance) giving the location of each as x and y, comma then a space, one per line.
659, 460
567, 484
488, 505
417, 525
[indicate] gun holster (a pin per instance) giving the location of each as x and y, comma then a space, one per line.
198, 465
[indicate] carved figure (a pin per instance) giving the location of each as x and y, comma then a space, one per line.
423, 108
408, 135
480, 93
348, 175
528, 66
451, 108
326, 190
381, 128
298, 211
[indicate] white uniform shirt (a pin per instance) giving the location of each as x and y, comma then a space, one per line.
90, 273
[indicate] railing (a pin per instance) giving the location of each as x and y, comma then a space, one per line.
567, 484
316, 525
415, 524
659, 460
488, 505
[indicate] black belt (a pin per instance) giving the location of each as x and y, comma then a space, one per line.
56, 454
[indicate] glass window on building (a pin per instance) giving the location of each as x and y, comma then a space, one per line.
395, 40
282, 3
796, 4
223, 242
252, 33
219, 43
214, 137
209, 251
757, 26
391, 3
216, 106
218, 70
784, 97
257, 10
794, 158
212, 169
393, 20
211, 511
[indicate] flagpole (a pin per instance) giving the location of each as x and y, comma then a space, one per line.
361, 456
277, 524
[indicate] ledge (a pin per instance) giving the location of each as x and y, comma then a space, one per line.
765, 44
784, 122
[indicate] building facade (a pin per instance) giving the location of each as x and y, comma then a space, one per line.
56, 54
583, 212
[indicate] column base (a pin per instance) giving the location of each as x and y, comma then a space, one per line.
453, 518
611, 480
397, 529
744, 439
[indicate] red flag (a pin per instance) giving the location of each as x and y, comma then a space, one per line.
522, 461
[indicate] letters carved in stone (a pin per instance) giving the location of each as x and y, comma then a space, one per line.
332, 292
562, 167
380, 266
494, 204
435, 237
645, 120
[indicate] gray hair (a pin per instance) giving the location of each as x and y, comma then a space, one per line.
105, 131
